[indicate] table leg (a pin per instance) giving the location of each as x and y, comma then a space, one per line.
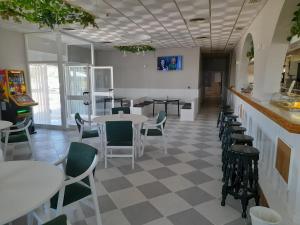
166, 108
178, 108
121, 102
104, 106
153, 108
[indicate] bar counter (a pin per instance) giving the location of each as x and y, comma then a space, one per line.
276, 134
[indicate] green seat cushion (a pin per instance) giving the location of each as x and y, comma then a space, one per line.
119, 143
60, 220
73, 193
152, 132
16, 137
90, 133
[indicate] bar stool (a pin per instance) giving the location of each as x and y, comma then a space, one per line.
223, 108
234, 139
231, 128
241, 175
230, 118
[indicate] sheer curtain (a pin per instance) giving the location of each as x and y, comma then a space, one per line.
45, 90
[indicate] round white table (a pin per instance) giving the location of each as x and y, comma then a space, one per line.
26, 185
4, 125
134, 118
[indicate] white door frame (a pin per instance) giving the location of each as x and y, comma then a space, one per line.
109, 93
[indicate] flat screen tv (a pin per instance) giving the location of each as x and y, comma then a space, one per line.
169, 63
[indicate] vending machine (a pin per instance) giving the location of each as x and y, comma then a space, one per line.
16, 104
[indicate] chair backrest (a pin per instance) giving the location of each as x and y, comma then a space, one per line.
126, 110
119, 131
78, 118
161, 117
60, 220
79, 159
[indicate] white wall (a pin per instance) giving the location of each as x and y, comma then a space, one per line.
79, 54
141, 71
12, 50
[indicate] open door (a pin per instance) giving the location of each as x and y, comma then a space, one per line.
77, 82
102, 90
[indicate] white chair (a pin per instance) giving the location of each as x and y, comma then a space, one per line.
155, 130
16, 134
119, 135
85, 132
79, 164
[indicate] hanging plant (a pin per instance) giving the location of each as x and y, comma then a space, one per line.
295, 29
250, 53
45, 13
135, 48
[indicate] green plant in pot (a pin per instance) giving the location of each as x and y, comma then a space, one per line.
295, 28
45, 13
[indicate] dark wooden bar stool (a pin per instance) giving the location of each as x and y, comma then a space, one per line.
224, 108
234, 139
241, 175
230, 118
231, 128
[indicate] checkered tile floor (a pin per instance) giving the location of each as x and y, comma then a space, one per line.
181, 188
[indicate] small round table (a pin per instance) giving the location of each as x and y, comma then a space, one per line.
4, 125
26, 185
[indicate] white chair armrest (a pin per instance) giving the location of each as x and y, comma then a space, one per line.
19, 124
20, 129
61, 160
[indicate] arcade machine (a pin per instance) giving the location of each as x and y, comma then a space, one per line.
16, 104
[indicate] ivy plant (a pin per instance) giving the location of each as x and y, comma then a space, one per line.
45, 13
135, 48
295, 28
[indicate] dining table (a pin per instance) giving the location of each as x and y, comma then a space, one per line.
25, 186
4, 125
165, 102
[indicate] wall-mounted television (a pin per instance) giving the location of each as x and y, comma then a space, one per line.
169, 63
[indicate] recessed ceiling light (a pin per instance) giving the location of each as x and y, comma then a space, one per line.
68, 28
105, 42
201, 37
239, 28
197, 19
137, 37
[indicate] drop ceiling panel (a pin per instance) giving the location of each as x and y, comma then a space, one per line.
166, 22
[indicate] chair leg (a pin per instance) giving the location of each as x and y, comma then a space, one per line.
105, 157
143, 145
30, 144
132, 157
165, 144
95, 199
5, 145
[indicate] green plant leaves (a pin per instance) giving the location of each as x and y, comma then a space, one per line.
135, 48
250, 52
295, 28
45, 13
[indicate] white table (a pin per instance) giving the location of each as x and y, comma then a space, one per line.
137, 120
134, 118
4, 125
26, 185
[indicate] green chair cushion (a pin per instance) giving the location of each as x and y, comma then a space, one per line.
60, 220
16, 137
73, 193
90, 133
152, 132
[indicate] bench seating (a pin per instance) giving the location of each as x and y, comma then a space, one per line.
189, 111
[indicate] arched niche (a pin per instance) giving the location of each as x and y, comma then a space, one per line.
246, 78
276, 62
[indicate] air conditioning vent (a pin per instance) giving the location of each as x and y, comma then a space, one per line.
254, 1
